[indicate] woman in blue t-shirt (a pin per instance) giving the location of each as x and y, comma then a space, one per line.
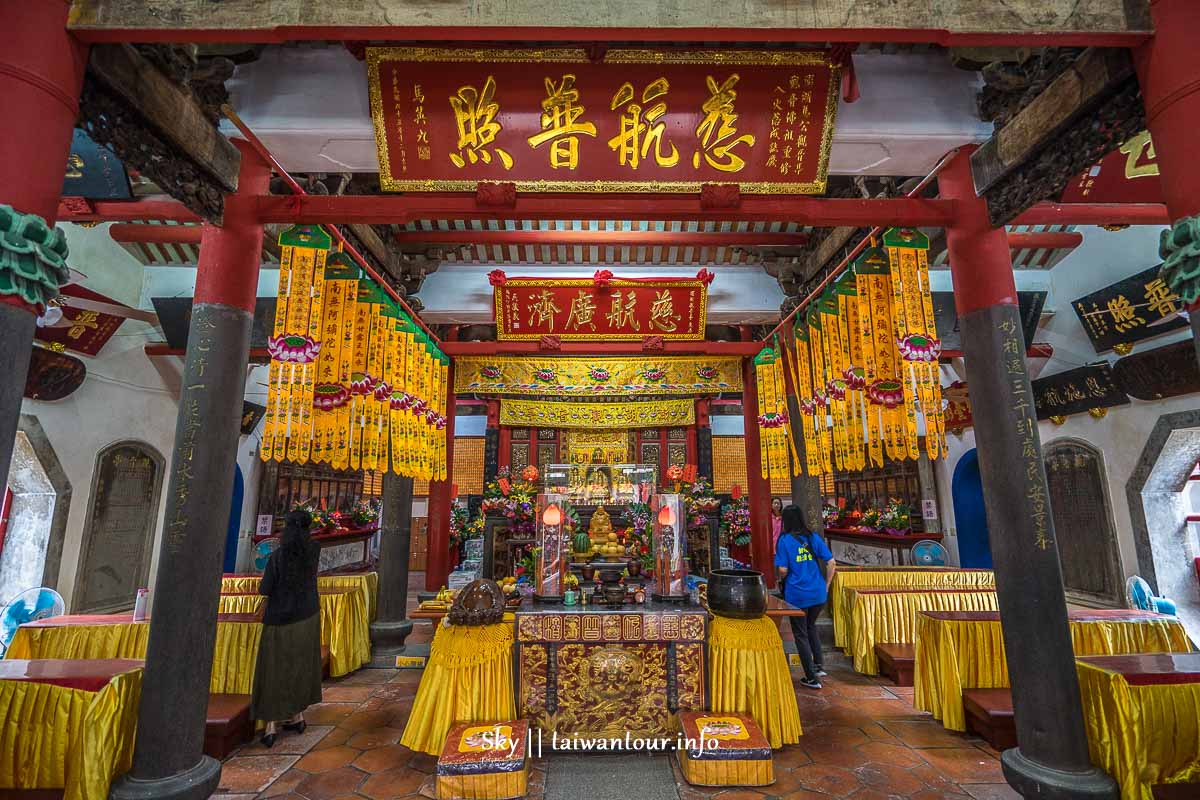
798, 557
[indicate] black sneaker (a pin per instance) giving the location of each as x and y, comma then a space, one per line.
810, 684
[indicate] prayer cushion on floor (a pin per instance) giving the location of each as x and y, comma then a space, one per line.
227, 724
484, 761
724, 749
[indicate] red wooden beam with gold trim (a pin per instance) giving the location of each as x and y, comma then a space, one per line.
605, 238
744, 349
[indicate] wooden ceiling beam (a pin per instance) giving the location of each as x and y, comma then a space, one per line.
603, 238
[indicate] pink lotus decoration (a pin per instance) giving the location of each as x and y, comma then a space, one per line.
497, 277
361, 383
807, 407
706, 372
654, 374
439, 423
401, 401
418, 406
430, 416
382, 391
856, 378
490, 371
886, 393
918, 347
819, 400
328, 396
545, 375
293, 348
772, 420
599, 374
602, 278
836, 388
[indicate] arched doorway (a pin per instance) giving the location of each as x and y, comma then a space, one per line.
235, 520
966, 489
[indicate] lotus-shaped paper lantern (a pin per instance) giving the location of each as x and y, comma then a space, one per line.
856, 378
361, 383
293, 348
382, 391
328, 396
918, 347
886, 393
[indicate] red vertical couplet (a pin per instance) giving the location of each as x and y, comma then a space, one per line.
440, 496
980, 260
227, 271
759, 490
1169, 72
42, 67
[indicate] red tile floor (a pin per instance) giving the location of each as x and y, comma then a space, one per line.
862, 739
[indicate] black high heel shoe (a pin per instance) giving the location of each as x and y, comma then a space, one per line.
268, 739
298, 727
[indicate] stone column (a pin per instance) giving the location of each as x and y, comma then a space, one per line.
41, 73
1051, 760
758, 489
168, 761
391, 627
1169, 73
440, 497
806, 489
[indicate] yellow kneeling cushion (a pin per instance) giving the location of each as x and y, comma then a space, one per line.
484, 761
724, 749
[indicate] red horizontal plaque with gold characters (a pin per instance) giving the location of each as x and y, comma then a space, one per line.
583, 309
553, 120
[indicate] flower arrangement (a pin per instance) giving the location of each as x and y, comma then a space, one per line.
363, 514
512, 499
699, 500
530, 473
895, 517
640, 535
735, 522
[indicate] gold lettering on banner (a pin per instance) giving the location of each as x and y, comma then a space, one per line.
1133, 150
720, 118
642, 129
662, 312
82, 322
543, 310
560, 123
583, 310
475, 114
623, 308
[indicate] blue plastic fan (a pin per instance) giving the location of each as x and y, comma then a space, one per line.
1139, 595
262, 551
928, 554
29, 606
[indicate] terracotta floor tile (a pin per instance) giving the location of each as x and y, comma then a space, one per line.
429, 788
877, 732
964, 764
935, 794
375, 737
991, 791
790, 757
741, 794
346, 694
423, 762
367, 677
925, 733
393, 783
366, 720
334, 738
285, 783
325, 760
288, 743
882, 710
329, 713
935, 779
789, 785
870, 793
382, 759
687, 792
885, 753
252, 774
331, 784
863, 692
222, 796
829, 780
889, 778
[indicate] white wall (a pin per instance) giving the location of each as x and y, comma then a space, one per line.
1104, 258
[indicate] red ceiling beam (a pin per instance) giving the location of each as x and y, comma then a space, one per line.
399, 209
128, 233
1067, 240
605, 238
572, 35
124, 211
744, 349
1094, 214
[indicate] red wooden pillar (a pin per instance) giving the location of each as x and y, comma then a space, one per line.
440, 496
1052, 757
1169, 72
41, 72
758, 490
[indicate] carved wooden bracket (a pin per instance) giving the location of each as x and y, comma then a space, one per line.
496, 195
720, 195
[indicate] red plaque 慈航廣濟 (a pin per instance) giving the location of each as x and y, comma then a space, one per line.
637, 120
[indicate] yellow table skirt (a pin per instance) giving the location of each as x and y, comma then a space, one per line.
233, 655
892, 617
750, 676
952, 655
53, 737
345, 628
845, 578
1141, 735
367, 581
468, 678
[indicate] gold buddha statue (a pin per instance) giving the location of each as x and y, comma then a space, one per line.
600, 528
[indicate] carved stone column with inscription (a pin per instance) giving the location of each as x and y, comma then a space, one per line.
391, 628
1051, 759
168, 759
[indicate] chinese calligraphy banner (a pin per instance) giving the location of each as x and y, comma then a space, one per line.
553, 120
597, 377
1167, 371
958, 406
1077, 390
85, 331
644, 414
580, 309
1128, 174
1137, 308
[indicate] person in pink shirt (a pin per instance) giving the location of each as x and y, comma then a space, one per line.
776, 521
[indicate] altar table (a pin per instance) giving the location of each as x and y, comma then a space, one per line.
846, 577
1142, 714
890, 615
468, 678
958, 650
750, 675
104, 636
67, 724
345, 628
368, 582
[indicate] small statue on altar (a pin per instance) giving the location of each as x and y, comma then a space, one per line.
600, 528
599, 479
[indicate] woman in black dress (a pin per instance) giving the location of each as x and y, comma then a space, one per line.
287, 674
